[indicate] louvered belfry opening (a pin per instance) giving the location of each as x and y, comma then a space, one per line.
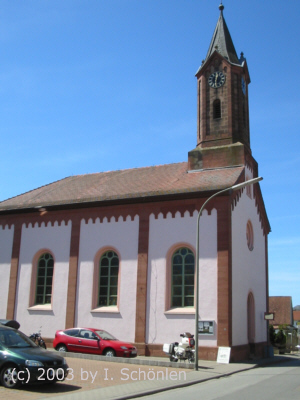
217, 109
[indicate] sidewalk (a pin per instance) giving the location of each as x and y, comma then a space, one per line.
97, 377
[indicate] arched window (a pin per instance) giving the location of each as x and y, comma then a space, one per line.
251, 318
250, 236
217, 109
183, 278
44, 279
108, 279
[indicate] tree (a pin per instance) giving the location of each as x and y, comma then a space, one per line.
280, 338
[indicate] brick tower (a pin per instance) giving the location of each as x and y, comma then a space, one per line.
223, 138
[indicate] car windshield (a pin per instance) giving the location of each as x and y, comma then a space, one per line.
14, 339
105, 335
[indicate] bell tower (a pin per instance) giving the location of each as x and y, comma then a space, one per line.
223, 136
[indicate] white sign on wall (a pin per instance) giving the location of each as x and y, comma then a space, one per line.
223, 355
269, 316
205, 327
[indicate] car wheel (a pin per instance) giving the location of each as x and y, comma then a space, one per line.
109, 353
9, 377
61, 347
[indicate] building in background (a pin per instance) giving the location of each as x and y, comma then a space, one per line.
116, 250
282, 307
296, 319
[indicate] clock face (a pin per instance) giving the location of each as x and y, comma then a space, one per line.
243, 86
216, 80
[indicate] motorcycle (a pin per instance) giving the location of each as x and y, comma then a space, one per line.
185, 350
37, 339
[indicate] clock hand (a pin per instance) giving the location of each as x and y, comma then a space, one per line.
216, 78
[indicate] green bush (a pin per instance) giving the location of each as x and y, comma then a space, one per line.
272, 334
280, 338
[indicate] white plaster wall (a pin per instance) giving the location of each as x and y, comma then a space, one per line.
6, 244
56, 239
248, 271
122, 236
164, 327
248, 173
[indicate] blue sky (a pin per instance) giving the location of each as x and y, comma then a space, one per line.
98, 85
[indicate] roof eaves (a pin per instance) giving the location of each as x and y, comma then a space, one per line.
137, 197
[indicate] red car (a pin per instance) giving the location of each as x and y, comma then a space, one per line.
92, 341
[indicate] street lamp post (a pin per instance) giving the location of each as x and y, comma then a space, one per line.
233, 188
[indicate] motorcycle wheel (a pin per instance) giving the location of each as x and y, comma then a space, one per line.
191, 358
173, 359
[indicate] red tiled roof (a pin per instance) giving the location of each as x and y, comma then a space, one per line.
125, 184
296, 315
282, 307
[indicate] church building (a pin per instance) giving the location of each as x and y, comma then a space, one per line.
117, 250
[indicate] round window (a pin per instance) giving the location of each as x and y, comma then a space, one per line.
249, 236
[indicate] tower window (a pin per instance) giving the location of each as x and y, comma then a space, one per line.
217, 109
244, 115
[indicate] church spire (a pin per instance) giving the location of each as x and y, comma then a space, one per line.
221, 40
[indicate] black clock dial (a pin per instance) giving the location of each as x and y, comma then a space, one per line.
216, 80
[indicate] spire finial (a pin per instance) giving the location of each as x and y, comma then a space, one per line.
221, 7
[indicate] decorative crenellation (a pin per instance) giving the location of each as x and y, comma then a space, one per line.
110, 219
251, 164
258, 203
35, 220
171, 214
236, 197
63, 217
112, 214
180, 214
261, 210
6, 227
44, 224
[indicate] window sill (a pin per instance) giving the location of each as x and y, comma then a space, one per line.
40, 307
180, 311
106, 310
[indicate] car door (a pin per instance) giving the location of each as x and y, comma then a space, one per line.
88, 342
70, 339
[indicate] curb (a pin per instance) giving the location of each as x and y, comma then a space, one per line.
160, 363
124, 360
